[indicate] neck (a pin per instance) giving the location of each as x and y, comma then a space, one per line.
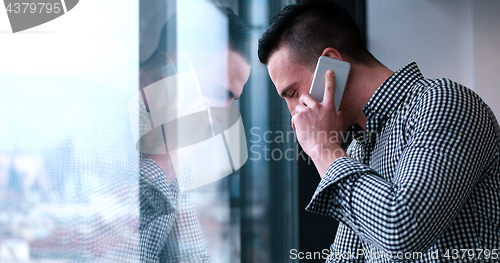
165, 163
362, 83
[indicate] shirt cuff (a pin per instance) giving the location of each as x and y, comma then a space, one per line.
327, 199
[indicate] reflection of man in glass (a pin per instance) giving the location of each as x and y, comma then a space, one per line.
169, 228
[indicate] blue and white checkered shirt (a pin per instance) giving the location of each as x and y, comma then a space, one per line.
422, 184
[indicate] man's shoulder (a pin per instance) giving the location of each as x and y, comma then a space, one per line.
442, 86
446, 95
443, 102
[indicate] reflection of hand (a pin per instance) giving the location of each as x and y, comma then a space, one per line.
319, 126
159, 210
170, 230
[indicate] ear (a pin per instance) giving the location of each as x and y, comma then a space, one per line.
161, 57
175, 57
332, 53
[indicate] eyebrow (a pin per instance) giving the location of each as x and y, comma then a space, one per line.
285, 90
228, 92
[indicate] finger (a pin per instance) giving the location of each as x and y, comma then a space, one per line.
329, 95
307, 99
300, 108
339, 116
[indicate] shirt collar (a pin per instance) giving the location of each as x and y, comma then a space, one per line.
392, 93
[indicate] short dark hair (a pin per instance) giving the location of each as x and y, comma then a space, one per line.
309, 27
238, 34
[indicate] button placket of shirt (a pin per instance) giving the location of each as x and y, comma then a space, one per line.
365, 143
369, 138
170, 192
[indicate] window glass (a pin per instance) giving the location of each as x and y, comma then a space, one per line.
68, 166
195, 61
139, 137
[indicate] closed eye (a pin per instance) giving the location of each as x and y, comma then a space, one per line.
286, 91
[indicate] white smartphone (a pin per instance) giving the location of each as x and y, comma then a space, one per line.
341, 72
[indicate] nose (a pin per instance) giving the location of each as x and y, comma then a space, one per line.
291, 106
221, 114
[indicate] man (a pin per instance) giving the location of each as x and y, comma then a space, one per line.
421, 179
170, 230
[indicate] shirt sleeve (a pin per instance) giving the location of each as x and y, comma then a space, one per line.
449, 143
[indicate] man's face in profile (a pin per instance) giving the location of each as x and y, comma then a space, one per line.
291, 78
219, 86
222, 91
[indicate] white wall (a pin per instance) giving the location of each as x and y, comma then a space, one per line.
456, 39
486, 50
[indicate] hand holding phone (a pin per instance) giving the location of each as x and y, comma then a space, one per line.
341, 73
